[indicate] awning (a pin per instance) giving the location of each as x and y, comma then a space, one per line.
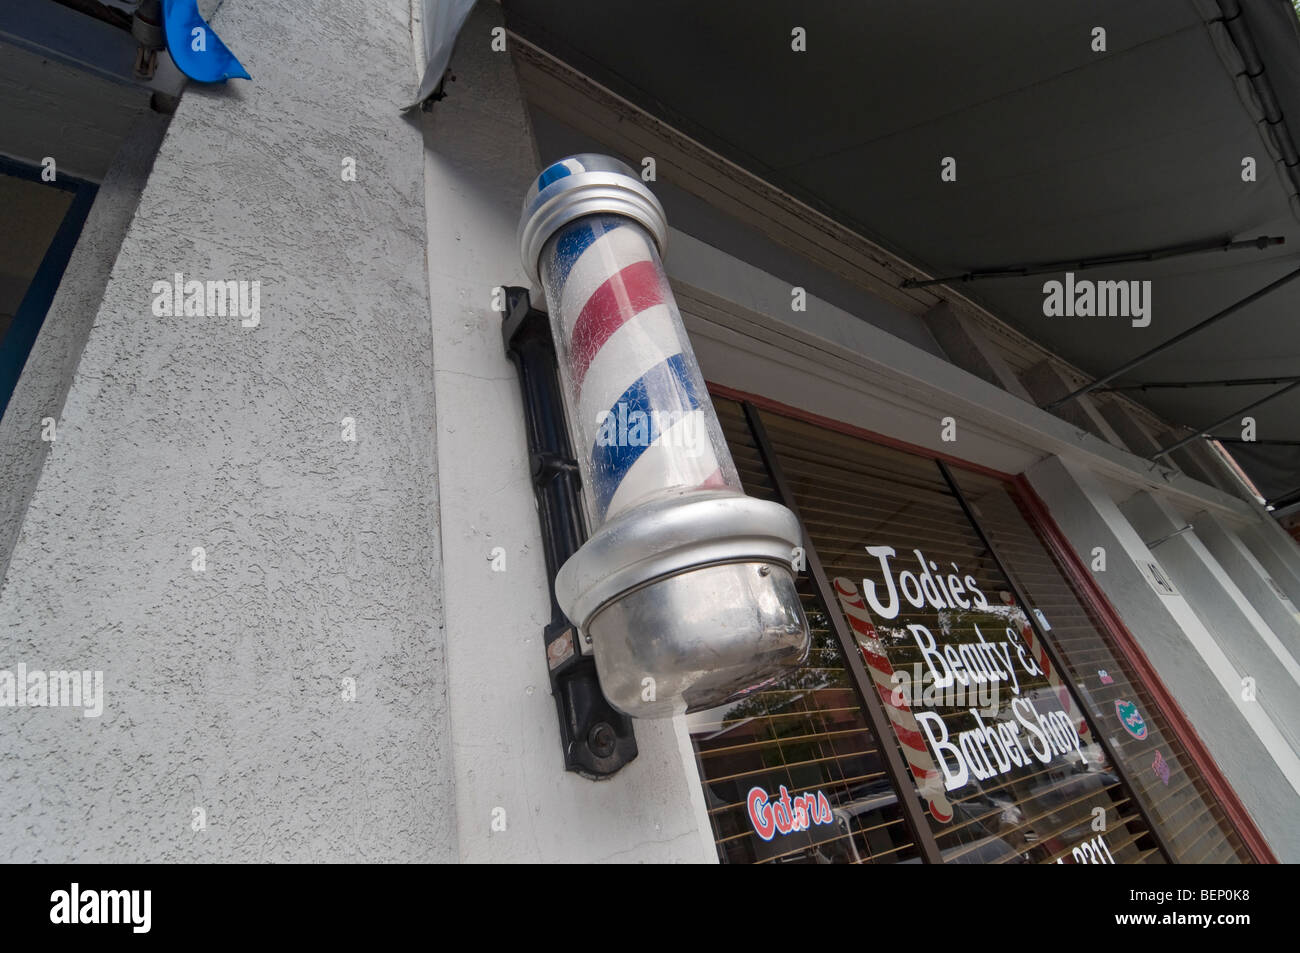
1062, 153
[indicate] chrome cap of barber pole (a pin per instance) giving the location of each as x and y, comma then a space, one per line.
585, 185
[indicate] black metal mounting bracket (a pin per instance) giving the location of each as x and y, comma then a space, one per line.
598, 739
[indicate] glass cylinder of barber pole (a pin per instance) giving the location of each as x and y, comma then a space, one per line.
684, 585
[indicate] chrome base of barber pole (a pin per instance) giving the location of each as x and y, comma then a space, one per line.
689, 601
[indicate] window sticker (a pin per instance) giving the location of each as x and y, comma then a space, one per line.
785, 814
1161, 768
1131, 719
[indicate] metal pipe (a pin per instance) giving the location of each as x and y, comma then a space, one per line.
1237, 382
1262, 443
1177, 338
1286, 499
1253, 70
1205, 431
1083, 264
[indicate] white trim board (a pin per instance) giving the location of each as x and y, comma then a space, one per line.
828, 362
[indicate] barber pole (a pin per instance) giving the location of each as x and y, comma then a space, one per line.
625, 357
684, 589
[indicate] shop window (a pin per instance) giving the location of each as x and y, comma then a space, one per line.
1170, 787
805, 734
1004, 750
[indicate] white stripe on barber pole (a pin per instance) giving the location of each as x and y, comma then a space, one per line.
642, 356
641, 343
605, 257
669, 462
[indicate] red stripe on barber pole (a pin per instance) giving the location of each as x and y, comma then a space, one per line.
880, 665
912, 739
715, 481
625, 295
625, 352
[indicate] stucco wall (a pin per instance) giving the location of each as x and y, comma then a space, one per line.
225, 688
47, 375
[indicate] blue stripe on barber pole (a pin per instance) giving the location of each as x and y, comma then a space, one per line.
575, 240
680, 457
553, 174
610, 464
557, 171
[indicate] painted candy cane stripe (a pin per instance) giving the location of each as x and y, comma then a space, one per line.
631, 352
922, 766
617, 301
1040, 656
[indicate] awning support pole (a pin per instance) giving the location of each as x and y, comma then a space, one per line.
1261, 443
1230, 382
1285, 500
1177, 338
1101, 261
1204, 431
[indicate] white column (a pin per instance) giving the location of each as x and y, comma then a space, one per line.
1237, 627
1244, 741
1273, 604
1278, 554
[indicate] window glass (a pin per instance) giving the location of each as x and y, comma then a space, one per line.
994, 738
793, 773
1171, 788
31, 260
995, 718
